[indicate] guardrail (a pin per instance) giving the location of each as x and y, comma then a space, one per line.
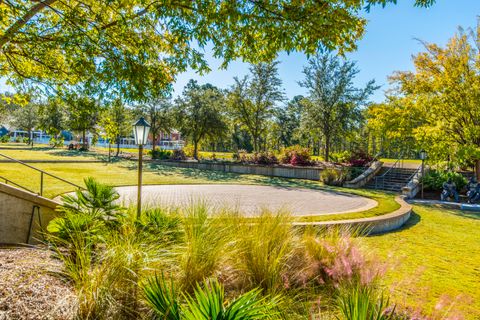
42, 174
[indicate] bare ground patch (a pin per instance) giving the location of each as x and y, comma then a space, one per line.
30, 288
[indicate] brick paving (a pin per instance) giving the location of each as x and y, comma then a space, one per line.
250, 199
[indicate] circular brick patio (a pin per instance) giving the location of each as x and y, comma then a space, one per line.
250, 199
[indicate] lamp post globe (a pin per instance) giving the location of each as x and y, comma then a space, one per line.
423, 154
141, 129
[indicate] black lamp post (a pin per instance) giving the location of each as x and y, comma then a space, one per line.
141, 129
423, 156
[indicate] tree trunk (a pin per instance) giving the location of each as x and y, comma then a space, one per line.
195, 149
154, 141
84, 135
118, 146
327, 148
477, 169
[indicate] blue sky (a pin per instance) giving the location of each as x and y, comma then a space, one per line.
387, 46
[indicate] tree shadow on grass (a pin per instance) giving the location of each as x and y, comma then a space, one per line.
229, 177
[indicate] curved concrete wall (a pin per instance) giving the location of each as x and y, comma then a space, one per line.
373, 225
23, 215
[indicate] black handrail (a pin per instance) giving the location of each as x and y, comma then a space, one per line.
7, 181
382, 177
41, 175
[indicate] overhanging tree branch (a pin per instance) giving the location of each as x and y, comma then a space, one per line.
14, 28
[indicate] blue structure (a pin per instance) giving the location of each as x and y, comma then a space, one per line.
3, 131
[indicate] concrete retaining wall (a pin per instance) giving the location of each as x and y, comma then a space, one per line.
23, 215
365, 177
372, 225
308, 173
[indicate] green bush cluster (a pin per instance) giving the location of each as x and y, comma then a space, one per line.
5, 138
435, 179
334, 176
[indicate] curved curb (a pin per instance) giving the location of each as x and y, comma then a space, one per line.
373, 225
447, 204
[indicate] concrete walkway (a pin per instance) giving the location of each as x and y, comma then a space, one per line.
250, 199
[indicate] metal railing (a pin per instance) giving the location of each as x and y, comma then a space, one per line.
42, 174
380, 180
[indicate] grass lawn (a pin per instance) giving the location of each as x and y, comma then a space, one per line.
435, 255
43, 152
434, 259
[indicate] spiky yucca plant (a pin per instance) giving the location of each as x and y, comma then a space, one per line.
207, 303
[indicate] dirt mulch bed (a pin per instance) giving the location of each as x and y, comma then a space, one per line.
30, 287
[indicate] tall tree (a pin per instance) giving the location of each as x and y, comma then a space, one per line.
252, 101
83, 114
52, 119
333, 104
445, 90
158, 113
26, 118
288, 122
198, 113
139, 46
117, 122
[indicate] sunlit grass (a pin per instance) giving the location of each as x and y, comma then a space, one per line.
435, 260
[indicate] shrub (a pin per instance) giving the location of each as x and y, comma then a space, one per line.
178, 154
205, 242
160, 154
435, 179
360, 302
208, 302
98, 200
188, 150
55, 143
340, 157
296, 156
334, 177
264, 251
336, 260
263, 158
5, 138
359, 158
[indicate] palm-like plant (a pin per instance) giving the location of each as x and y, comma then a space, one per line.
98, 200
207, 303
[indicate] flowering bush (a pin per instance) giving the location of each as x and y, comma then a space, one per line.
359, 158
296, 156
335, 259
264, 158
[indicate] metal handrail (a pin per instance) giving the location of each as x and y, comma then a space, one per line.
42, 173
382, 177
8, 181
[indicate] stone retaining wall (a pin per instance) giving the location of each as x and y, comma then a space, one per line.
366, 176
372, 225
308, 173
23, 215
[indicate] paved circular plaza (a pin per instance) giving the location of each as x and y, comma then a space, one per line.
249, 199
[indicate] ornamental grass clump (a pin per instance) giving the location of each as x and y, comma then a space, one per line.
204, 249
265, 246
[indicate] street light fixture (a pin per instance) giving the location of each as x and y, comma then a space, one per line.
141, 128
423, 156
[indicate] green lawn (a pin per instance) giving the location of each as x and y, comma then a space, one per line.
435, 255
434, 258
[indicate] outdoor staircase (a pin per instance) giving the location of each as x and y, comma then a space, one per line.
391, 178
